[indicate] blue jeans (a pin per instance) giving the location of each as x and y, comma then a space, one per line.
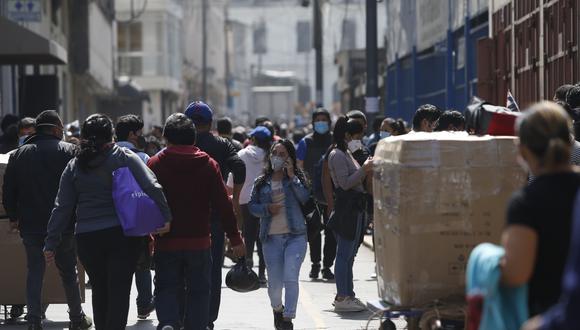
217, 256
66, 262
284, 255
144, 288
173, 271
345, 254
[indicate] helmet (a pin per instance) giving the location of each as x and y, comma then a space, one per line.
241, 278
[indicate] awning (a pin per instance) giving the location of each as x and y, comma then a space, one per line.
19, 45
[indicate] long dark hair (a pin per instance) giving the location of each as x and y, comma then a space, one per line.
96, 133
339, 134
268, 171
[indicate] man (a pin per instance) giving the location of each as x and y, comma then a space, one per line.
225, 154
425, 118
129, 132
309, 153
193, 186
31, 182
224, 129
451, 120
26, 128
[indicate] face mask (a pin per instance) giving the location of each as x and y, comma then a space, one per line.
321, 127
277, 163
384, 134
21, 139
354, 145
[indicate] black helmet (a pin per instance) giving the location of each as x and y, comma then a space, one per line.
241, 278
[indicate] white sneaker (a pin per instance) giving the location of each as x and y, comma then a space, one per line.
349, 305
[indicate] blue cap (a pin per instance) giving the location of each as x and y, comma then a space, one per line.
261, 133
199, 112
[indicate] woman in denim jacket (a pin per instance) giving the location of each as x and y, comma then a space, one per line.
276, 199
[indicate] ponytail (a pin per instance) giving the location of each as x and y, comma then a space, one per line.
339, 133
558, 152
96, 133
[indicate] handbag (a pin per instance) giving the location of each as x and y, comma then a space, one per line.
348, 205
138, 213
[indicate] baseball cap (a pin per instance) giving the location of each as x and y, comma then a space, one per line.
199, 112
261, 133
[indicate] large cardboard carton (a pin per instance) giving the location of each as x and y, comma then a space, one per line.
438, 195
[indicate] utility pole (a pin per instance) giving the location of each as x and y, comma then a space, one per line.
318, 45
372, 88
228, 35
204, 50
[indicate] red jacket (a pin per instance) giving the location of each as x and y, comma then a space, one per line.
193, 185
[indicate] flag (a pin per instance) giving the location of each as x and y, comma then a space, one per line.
511, 102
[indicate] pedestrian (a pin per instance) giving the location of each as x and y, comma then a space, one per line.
451, 120
276, 199
224, 129
376, 135
536, 238
389, 127
254, 156
425, 118
31, 183
564, 315
360, 152
194, 187
226, 155
26, 128
86, 190
129, 133
309, 154
348, 224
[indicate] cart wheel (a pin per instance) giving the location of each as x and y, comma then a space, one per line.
388, 325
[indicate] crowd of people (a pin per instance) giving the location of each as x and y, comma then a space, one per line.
255, 187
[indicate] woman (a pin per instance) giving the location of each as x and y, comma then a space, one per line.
276, 199
254, 156
537, 237
347, 221
85, 192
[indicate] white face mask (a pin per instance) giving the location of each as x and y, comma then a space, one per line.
354, 145
277, 163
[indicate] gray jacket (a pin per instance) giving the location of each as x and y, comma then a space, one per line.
90, 194
346, 173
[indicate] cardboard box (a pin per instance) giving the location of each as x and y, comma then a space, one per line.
438, 195
13, 273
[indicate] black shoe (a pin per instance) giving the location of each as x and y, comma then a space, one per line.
84, 323
327, 274
35, 326
314, 271
143, 313
278, 318
285, 325
16, 311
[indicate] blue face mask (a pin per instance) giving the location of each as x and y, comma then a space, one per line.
321, 127
384, 134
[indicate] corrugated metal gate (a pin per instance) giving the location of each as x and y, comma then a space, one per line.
533, 50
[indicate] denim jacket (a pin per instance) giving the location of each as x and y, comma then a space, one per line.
296, 194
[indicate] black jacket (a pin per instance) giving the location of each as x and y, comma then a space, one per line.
225, 154
32, 179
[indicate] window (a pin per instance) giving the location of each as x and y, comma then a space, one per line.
130, 37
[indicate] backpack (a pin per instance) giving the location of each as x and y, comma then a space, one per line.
138, 213
317, 190
484, 118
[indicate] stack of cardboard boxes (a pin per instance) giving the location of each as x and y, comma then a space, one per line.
438, 195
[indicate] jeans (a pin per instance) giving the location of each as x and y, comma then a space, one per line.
315, 242
345, 254
144, 288
183, 274
110, 259
66, 262
217, 256
251, 231
284, 255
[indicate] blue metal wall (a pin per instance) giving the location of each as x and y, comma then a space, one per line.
433, 76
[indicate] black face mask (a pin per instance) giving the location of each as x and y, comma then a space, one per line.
141, 142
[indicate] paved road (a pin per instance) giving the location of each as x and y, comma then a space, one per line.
252, 310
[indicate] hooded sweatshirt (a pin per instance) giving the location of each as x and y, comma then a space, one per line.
193, 184
254, 159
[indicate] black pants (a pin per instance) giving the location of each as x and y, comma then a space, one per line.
315, 240
110, 259
251, 231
